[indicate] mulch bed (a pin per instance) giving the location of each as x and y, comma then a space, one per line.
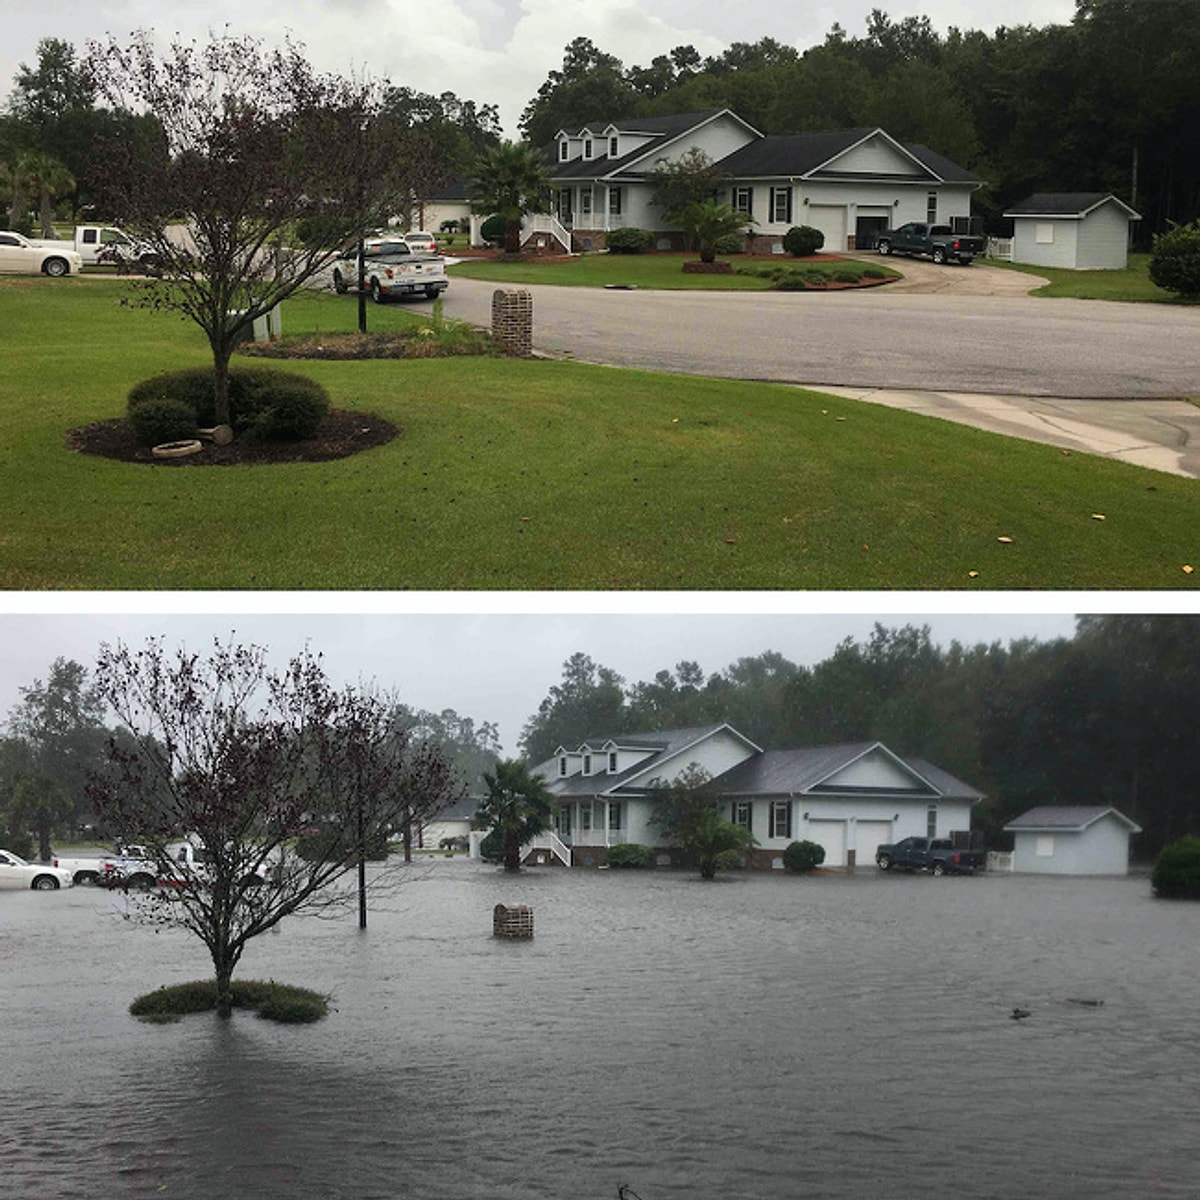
339, 435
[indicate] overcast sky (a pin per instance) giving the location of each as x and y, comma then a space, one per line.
493, 666
489, 51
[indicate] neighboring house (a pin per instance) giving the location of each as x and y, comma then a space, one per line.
1072, 840
850, 184
847, 798
454, 821
1077, 230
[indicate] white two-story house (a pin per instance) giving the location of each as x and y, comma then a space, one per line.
847, 798
850, 184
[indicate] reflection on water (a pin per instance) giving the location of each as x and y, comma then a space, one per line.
756, 1037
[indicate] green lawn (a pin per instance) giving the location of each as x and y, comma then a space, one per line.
658, 271
546, 475
1132, 283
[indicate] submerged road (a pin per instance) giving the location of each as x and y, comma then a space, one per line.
1105, 377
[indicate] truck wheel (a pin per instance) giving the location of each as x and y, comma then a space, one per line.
883, 246
141, 882
86, 878
377, 292
56, 267
939, 868
939, 256
44, 883
339, 284
885, 863
432, 293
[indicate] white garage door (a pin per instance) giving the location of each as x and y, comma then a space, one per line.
869, 836
830, 219
831, 835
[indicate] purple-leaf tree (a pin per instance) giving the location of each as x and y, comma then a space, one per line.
263, 169
277, 779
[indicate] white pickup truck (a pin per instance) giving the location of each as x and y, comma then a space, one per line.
106, 244
391, 267
187, 863
20, 256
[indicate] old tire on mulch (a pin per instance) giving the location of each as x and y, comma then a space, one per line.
176, 449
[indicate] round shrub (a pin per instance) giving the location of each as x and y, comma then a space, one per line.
630, 855
730, 243
803, 856
253, 391
803, 240
628, 240
1175, 260
158, 421
492, 230
1177, 873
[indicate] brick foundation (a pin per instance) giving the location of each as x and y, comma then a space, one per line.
512, 921
512, 321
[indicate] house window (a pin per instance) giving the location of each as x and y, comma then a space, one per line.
781, 818
587, 764
587, 147
562, 764
564, 148
562, 822
585, 202
616, 815
1044, 846
742, 813
781, 205
614, 201
931, 821
585, 818
613, 147
1044, 233
931, 208
564, 205
612, 762
743, 200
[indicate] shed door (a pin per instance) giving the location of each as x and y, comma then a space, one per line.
831, 835
830, 219
869, 836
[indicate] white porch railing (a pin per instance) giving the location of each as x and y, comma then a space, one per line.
1001, 248
537, 223
551, 843
999, 860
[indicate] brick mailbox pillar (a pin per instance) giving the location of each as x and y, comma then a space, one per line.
512, 321
512, 921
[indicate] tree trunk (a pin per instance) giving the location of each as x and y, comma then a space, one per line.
708, 253
512, 852
46, 215
224, 976
512, 237
222, 349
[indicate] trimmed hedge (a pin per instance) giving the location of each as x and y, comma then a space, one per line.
158, 421
630, 855
803, 856
803, 240
1176, 875
629, 240
1175, 260
275, 405
272, 1001
493, 229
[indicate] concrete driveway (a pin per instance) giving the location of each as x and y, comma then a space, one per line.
966, 344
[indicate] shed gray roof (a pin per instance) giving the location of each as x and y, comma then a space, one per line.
1069, 205
1066, 818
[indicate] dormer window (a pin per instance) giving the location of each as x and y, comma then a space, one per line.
587, 148
564, 148
613, 147
587, 764
612, 762
562, 765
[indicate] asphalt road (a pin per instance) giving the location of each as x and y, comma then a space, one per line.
998, 345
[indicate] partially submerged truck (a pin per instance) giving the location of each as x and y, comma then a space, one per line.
938, 856
390, 267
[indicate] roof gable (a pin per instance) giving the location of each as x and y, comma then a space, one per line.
1069, 206
1067, 818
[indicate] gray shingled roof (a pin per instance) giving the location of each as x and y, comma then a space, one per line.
1066, 817
783, 772
1063, 204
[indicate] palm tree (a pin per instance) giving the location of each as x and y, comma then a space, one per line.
714, 840
510, 180
517, 806
45, 175
708, 221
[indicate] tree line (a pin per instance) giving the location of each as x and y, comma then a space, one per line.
1108, 102
1106, 717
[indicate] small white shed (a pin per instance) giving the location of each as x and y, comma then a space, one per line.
1072, 840
1084, 231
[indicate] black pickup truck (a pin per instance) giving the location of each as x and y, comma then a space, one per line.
938, 242
938, 856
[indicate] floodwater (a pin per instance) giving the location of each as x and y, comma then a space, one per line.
760, 1036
